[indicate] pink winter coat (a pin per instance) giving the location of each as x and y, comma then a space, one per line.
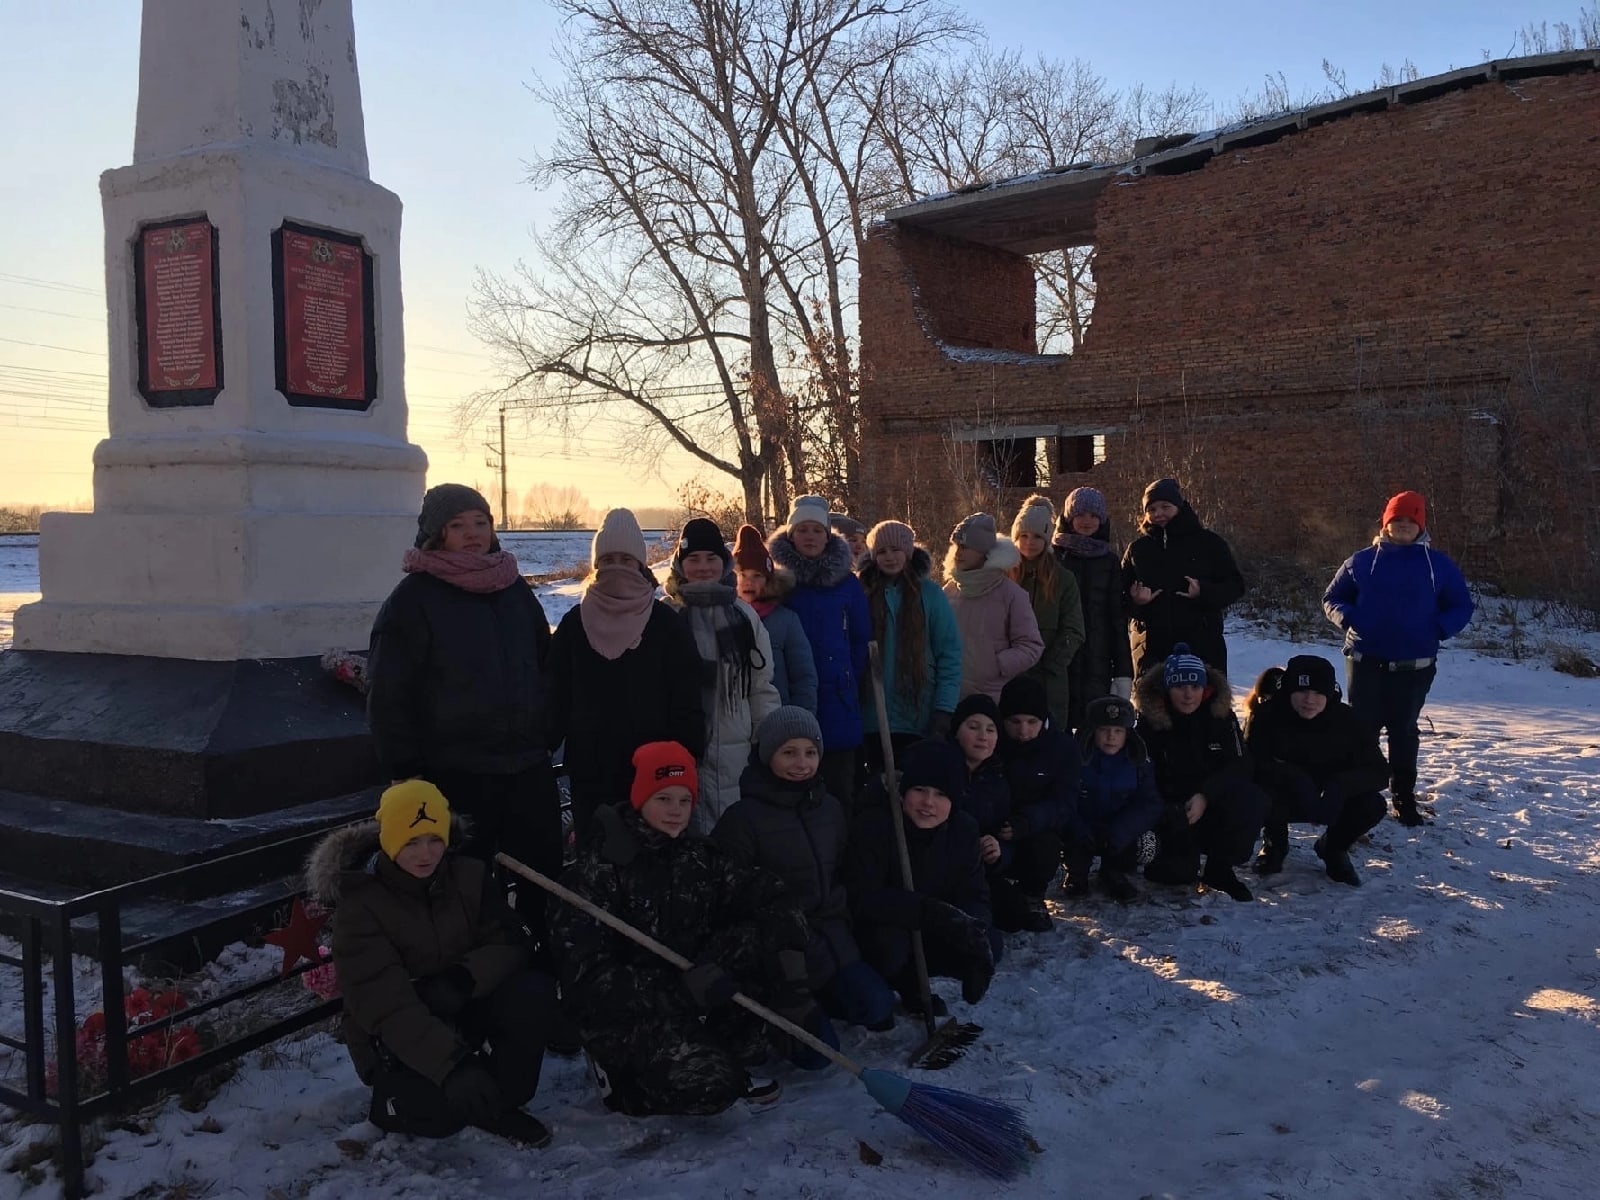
999, 633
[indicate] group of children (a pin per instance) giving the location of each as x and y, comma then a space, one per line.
1045, 711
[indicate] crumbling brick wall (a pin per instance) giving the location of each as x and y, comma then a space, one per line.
1403, 298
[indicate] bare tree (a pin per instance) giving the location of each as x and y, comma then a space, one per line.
697, 267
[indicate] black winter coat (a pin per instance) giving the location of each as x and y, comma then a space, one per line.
1201, 752
1160, 558
1105, 654
798, 832
1334, 750
457, 679
1044, 777
684, 892
944, 866
605, 709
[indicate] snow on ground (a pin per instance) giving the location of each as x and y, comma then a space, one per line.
1428, 1035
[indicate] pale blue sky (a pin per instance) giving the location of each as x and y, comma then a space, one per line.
450, 121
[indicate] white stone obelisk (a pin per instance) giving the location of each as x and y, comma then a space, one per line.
238, 521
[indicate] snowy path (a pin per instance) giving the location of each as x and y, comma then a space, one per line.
1429, 1035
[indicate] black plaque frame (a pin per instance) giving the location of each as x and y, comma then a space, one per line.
368, 322
187, 397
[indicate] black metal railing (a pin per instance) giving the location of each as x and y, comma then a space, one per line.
45, 932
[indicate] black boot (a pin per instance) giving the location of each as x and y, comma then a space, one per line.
1219, 875
1117, 885
1274, 849
1077, 876
519, 1127
1337, 860
1035, 916
1406, 811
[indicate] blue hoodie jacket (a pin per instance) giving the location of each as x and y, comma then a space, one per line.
1398, 602
832, 607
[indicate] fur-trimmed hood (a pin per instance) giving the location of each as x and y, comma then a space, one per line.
349, 854
780, 582
1003, 557
1150, 696
919, 566
827, 569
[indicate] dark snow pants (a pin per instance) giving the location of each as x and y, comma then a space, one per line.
1392, 700
672, 1066
1035, 859
513, 1020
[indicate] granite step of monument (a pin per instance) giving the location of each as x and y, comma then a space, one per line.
165, 935
83, 847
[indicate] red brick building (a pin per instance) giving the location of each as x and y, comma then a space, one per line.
1296, 317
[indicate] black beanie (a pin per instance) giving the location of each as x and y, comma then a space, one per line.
1309, 673
1162, 489
702, 534
442, 504
974, 704
1024, 696
937, 765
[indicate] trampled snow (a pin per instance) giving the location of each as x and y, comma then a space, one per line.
1431, 1034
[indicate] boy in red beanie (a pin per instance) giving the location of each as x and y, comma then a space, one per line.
1396, 601
661, 1040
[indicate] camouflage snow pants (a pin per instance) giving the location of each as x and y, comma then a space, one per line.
676, 1065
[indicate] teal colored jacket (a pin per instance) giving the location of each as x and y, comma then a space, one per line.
912, 714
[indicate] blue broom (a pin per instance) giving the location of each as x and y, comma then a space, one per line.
986, 1134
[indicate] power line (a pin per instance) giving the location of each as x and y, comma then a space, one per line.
46, 346
55, 285
50, 312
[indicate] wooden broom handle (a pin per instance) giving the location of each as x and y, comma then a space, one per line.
639, 937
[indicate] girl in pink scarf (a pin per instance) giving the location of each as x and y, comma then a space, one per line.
459, 694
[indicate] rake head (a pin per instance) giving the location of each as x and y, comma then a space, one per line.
945, 1045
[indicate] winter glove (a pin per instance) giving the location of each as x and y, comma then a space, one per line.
939, 726
1122, 687
447, 993
709, 986
471, 1092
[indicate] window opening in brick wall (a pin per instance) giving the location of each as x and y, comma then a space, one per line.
1063, 298
1011, 462
1076, 453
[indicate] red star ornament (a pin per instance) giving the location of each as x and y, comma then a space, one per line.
298, 939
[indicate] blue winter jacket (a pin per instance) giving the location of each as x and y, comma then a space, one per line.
1398, 602
832, 607
1045, 778
1120, 799
794, 673
912, 713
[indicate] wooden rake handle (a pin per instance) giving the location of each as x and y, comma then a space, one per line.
640, 938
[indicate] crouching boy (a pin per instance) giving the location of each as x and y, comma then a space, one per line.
444, 1017
950, 900
1119, 805
661, 1040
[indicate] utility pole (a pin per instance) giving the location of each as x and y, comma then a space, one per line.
497, 459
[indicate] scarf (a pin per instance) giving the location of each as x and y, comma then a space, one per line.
979, 581
1080, 545
764, 608
615, 608
715, 606
480, 573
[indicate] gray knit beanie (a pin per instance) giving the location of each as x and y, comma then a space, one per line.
781, 724
619, 532
1037, 516
892, 535
1085, 500
976, 532
444, 503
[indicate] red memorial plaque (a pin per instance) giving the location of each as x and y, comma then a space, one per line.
177, 313
322, 285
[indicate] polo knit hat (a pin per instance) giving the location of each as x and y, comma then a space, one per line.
1108, 710
1309, 673
976, 532
1024, 696
974, 705
1037, 516
781, 724
658, 765
934, 764
699, 534
442, 504
844, 524
809, 508
892, 535
1184, 666
619, 533
750, 550
1162, 489
1408, 505
1085, 500
412, 809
